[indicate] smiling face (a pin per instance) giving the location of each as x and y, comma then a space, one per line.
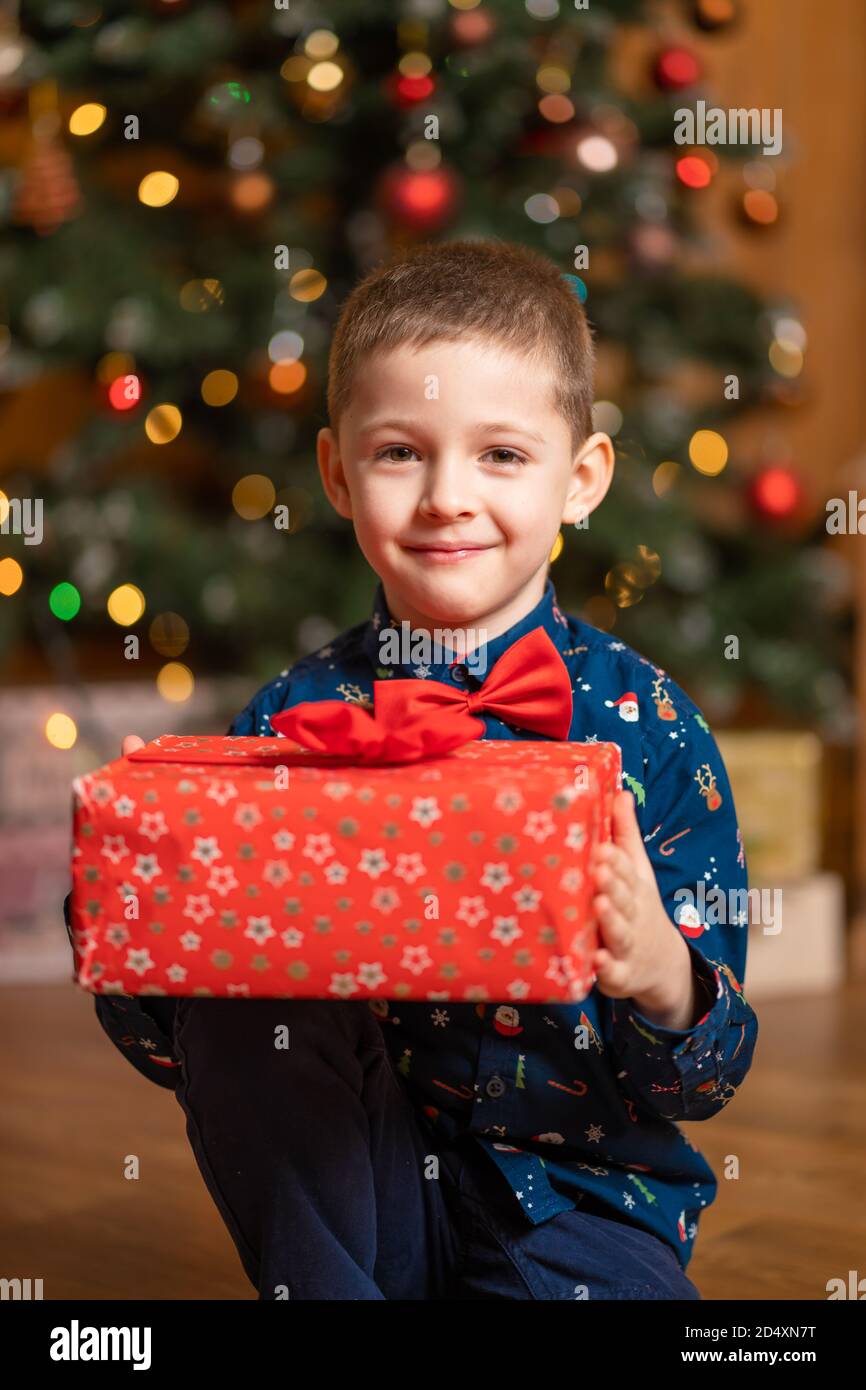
457, 499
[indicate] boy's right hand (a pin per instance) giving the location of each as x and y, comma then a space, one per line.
129, 745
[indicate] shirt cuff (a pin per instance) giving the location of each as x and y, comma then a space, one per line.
709, 997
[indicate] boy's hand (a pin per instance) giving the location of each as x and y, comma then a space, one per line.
130, 743
642, 956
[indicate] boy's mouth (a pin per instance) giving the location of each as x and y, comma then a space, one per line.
447, 552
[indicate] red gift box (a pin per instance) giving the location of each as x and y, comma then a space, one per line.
259, 868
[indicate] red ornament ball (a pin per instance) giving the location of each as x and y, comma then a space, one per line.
124, 393
676, 68
776, 493
409, 91
420, 199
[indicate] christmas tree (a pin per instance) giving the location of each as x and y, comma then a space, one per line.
193, 190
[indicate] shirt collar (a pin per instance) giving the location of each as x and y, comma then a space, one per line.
546, 614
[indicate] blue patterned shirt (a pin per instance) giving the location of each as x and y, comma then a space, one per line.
574, 1103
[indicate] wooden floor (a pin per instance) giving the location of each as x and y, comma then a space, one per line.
73, 1110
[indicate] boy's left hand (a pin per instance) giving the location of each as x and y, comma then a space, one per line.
643, 956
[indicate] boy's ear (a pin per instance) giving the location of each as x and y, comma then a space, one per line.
331, 470
591, 476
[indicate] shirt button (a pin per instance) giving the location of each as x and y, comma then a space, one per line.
459, 672
495, 1087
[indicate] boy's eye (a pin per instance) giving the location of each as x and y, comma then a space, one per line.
394, 448
514, 457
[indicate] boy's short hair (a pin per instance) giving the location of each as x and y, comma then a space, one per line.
491, 289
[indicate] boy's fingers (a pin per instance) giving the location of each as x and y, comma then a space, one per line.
626, 831
616, 931
611, 974
130, 743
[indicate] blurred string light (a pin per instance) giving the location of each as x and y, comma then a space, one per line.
694, 171
321, 43
568, 200
664, 477
285, 378
158, 189
125, 605
253, 496
597, 153
61, 730
285, 346
708, 452
64, 601
169, 634
759, 173
246, 153
4, 507
422, 155
112, 365
252, 193
175, 682
625, 583
556, 109
541, 208
760, 206
787, 350
325, 77
87, 119
163, 424
219, 387
578, 285
307, 286
11, 576
226, 97
553, 79
198, 296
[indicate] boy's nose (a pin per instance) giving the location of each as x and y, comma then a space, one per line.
447, 490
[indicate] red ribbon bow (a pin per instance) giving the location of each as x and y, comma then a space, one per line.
529, 686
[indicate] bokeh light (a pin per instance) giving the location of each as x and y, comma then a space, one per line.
664, 477
163, 424
158, 189
169, 634
61, 730
175, 682
287, 377
11, 576
87, 118
708, 452
219, 387
125, 604
125, 392
253, 496
64, 601
597, 153
307, 285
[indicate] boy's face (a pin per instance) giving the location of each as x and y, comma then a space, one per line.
457, 473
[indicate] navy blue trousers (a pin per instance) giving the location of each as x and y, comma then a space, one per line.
319, 1165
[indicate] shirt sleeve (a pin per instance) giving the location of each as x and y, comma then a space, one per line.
141, 1029
689, 825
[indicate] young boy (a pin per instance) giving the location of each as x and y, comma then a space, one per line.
455, 1149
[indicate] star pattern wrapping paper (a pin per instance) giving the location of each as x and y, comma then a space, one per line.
249, 866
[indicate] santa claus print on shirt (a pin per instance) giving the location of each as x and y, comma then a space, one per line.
627, 706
